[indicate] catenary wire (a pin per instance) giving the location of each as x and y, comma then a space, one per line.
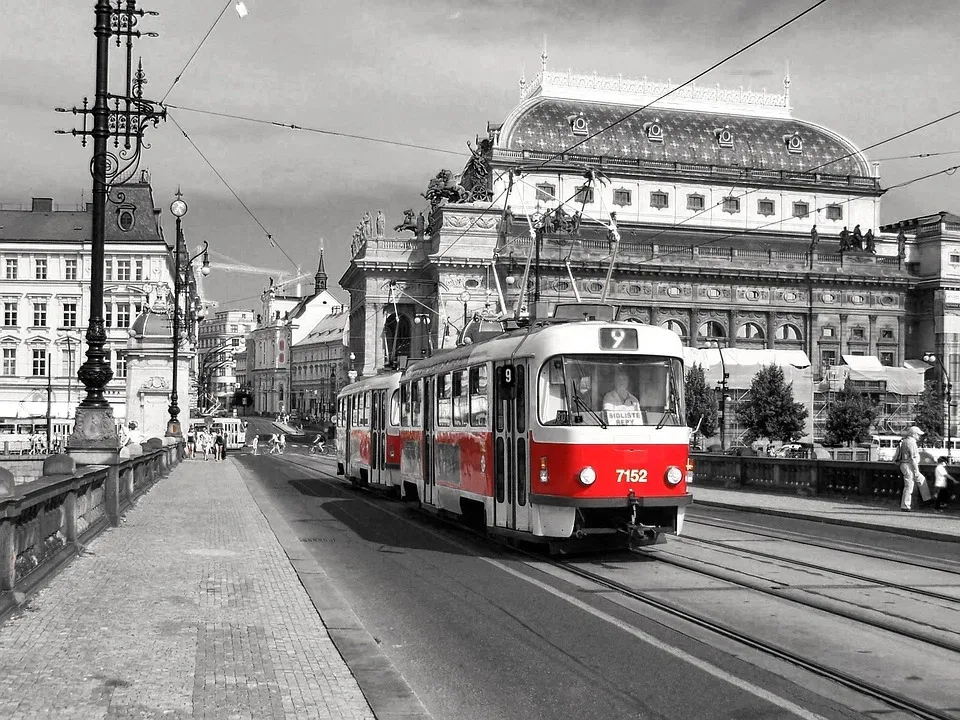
216, 172
319, 131
194, 54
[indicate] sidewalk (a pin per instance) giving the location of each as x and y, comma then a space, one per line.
190, 609
922, 523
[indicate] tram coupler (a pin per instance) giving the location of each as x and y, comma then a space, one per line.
639, 534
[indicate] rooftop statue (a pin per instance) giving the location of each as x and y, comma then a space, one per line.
870, 242
444, 188
857, 237
475, 177
366, 226
845, 239
814, 237
408, 222
901, 244
381, 224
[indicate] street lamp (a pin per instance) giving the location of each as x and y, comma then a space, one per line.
724, 376
931, 358
424, 320
352, 374
179, 208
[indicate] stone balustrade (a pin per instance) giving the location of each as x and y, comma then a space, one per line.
44, 523
878, 480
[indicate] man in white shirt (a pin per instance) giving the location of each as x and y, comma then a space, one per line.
908, 456
620, 398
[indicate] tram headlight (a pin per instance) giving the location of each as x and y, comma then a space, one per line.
588, 475
674, 475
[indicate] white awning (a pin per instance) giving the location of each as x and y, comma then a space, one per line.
863, 362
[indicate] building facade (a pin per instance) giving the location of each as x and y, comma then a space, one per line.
220, 339
713, 213
283, 321
45, 287
319, 367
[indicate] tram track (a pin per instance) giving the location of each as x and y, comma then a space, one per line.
863, 687
939, 564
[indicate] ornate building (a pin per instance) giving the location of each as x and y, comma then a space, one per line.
714, 213
220, 339
320, 365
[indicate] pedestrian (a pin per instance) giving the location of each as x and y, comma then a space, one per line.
908, 457
218, 447
274, 444
254, 443
941, 482
283, 442
191, 441
204, 439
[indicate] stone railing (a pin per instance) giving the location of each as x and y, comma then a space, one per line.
879, 480
44, 523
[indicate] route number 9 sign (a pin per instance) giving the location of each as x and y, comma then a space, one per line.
617, 339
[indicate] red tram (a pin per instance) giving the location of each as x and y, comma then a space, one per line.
556, 432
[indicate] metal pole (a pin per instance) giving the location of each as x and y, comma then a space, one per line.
49, 401
95, 373
173, 426
723, 400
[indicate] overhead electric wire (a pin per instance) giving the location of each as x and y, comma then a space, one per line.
690, 81
319, 131
918, 155
194, 54
250, 212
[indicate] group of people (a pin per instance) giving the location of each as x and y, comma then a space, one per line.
908, 458
207, 442
276, 445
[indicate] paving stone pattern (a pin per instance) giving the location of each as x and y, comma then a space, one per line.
190, 609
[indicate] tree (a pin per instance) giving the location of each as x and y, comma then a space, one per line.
849, 417
929, 417
770, 410
701, 402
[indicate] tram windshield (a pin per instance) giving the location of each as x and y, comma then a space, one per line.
610, 390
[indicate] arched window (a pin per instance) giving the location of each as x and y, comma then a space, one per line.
788, 333
711, 329
676, 327
750, 331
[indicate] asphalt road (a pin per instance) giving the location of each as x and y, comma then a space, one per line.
479, 634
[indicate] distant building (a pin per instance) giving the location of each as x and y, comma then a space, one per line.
221, 338
320, 365
283, 321
45, 295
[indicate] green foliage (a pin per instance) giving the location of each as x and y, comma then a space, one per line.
770, 410
849, 417
701, 402
929, 417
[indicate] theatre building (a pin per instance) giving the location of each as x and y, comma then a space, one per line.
714, 213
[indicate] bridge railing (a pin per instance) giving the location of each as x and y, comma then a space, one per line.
44, 523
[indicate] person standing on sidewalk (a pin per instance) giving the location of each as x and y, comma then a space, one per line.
941, 483
254, 443
908, 456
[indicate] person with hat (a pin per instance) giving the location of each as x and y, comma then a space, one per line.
908, 456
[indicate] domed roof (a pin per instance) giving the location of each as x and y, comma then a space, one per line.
151, 324
686, 136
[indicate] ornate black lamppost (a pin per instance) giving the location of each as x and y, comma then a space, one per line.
948, 388
179, 208
124, 118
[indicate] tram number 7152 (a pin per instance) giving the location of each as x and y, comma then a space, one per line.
633, 475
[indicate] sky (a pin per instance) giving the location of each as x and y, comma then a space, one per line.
434, 74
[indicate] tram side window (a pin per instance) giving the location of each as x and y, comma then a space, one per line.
365, 410
521, 400
395, 408
460, 399
405, 405
478, 396
444, 383
416, 404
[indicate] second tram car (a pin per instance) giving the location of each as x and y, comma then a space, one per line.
559, 432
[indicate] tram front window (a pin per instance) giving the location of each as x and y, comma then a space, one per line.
611, 390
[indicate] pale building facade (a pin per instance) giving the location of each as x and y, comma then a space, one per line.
320, 365
220, 339
45, 297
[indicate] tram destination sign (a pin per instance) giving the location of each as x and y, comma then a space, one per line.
618, 338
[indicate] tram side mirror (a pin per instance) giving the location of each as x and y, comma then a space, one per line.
507, 381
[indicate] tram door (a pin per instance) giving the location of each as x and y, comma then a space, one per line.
349, 418
429, 423
510, 453
378, 433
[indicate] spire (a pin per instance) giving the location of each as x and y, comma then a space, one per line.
320, 279
523, 80
786, 83
543, 56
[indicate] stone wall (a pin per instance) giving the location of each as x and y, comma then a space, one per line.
24, 468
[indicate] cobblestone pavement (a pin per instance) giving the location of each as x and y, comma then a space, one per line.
862, 514
190, 609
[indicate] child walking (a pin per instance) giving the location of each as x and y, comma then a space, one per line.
941, 484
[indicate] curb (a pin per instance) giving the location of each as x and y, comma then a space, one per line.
910, 532
382, 684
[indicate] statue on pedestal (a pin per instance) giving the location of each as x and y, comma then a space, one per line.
366, 226
381, 223
408, 222
814, 238
901, 244
507, 220
857, 237
844, 239
870, 242
421, 226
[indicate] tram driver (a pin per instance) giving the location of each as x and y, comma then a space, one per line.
620, 398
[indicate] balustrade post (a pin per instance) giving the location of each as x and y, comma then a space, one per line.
111, 494
70, 516
8, 555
